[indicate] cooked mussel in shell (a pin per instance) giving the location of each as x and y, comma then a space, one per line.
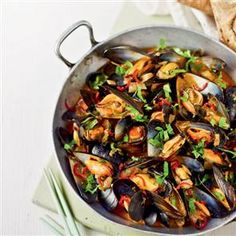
151, 136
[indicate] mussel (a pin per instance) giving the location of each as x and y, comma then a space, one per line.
197, 131
121, 54
230, 95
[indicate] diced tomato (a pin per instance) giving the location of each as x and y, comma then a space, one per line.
97, 97
164, 101
122, 88
201, 224
76, 171
202, 202
123, 199
182, 184
174, 164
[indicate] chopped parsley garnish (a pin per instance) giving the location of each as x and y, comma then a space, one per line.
162, 136
147, 107
228, 151
160, 178
167, 91
124, 69
186, 54
219, 195
133, 158
176, 72
136, 114
198, 149
191, 205
223, 123
126, 138
212, 122
138, 92
89, 122
220, 81
203, 180
114, 149
99, 81
90, 185
162, 44
69, 146
185, 97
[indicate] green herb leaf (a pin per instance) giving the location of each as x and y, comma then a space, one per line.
169, 129
136, 115
167, 91
223, 123
220, 82
198, 149
89, 123
186, 54
166, 169
133, 158
203, 180
91, 185
219, 195
147, 107
159, 179
139, 94
114, 150
191, 205
185, 97
69, 146
176, 72
228, 151
212, 122
126, 138
124, 69
99, 81
162, 44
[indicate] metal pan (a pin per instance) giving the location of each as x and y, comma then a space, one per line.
142, 37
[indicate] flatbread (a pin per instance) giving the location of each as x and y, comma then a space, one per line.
225, 17
202, 5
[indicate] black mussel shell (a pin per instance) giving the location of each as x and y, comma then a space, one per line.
108, 199
137, 206
216, 209
123, 187
231, 103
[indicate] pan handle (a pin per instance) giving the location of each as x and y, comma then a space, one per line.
67, 33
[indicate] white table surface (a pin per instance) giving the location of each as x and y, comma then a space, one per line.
32, 78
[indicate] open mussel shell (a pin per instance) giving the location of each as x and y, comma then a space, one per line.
108, 199
216, 209
192, 164
225, 187
171, 56
197, 86
152, 150
203, 85
166, 207
195, 131
121, 54
214, 64
124, 187
137, 206
230, 96
126, 98
104, 152
87, 196
136, 131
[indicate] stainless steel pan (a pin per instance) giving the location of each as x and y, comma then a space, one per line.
140, 37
